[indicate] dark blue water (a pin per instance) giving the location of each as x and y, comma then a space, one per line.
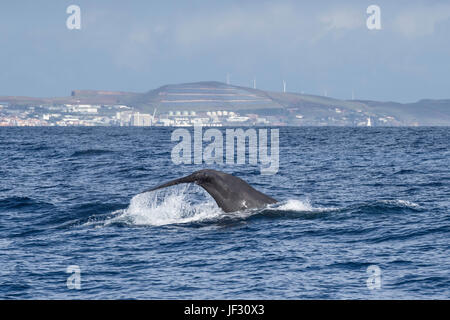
349, 198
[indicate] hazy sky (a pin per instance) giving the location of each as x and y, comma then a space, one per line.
141, 45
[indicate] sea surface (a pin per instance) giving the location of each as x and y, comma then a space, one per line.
363, 213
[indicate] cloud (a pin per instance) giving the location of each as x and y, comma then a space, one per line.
342, 19
419, 21
337, 21
290, 27
222, 31
139, 47
267, 21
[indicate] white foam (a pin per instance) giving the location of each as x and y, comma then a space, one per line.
5, 243
300, 206
296, 205
168, 206
403, 203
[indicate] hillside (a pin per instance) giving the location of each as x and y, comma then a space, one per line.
310, 109
293, 108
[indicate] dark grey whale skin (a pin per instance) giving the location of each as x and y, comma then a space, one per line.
231, 193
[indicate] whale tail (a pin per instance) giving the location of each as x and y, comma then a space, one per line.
231, 193
187, 179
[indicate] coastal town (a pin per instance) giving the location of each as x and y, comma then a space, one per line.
121, 115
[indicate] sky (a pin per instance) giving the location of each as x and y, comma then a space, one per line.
317, 47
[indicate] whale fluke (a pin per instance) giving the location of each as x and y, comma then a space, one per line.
231, 193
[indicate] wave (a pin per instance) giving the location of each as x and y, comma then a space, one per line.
22, 202
386, 206
90, 152
402, 203
300, 206
405, 171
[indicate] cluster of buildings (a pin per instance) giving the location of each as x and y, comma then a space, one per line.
122, 115
119, 115
15, 121
188, 118
19, 119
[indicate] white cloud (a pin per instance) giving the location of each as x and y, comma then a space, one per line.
139, 46
421, 21
337, 21
265, 22
342, 19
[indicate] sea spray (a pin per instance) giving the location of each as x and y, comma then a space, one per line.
169, 206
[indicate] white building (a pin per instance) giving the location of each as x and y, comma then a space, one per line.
237, 119
141, 119
124, 118
82, 108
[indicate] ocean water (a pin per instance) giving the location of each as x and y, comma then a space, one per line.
351, 200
